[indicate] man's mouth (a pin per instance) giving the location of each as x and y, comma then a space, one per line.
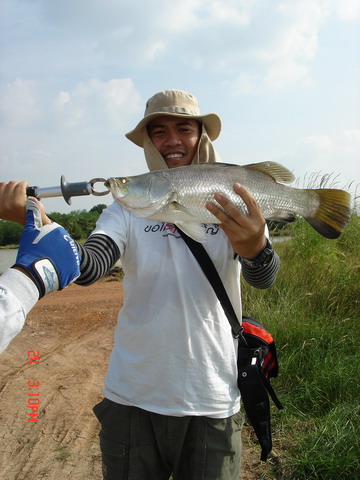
174, 156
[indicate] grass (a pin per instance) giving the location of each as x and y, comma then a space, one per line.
62, 453
313, 311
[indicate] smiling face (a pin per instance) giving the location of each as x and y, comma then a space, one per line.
175, 138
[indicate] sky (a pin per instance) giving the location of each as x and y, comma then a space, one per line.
283, 75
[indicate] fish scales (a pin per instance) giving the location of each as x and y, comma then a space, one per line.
196, 186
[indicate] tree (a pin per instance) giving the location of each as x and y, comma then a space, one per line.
98, 208
10, 233
79, 224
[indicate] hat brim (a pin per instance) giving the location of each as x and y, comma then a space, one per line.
211, 122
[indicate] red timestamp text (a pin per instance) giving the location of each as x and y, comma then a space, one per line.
33, 400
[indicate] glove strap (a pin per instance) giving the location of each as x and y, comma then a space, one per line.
45, 275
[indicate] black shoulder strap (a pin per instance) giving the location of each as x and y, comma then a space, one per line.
212, 275
258, 412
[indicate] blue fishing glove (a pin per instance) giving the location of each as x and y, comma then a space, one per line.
47, 253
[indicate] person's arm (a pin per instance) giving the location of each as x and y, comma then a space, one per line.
261, 276
246, 233
18, 295
47, 260
13, 201
98, 255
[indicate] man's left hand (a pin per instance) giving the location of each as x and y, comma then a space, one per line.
246, 232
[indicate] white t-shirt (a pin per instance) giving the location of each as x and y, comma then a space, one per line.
174, 353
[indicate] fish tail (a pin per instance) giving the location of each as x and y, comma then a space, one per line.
333, 212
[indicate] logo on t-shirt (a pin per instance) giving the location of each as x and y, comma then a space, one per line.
169, 229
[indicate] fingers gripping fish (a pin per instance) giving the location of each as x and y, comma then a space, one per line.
179, 196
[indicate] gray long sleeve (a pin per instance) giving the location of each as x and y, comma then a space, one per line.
262, 277
100, 253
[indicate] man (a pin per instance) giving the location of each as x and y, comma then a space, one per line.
171, 399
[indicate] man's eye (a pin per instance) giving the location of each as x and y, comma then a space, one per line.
156, 132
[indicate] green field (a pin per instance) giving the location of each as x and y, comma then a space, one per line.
313, 312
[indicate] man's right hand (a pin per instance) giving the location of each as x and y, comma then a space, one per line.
13, 203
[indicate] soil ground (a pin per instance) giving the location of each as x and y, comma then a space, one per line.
71, 333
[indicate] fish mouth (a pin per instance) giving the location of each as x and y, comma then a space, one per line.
116, 186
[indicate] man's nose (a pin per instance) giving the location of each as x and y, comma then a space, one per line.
173, 138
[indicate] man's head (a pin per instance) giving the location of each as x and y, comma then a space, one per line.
175, 138
173, 124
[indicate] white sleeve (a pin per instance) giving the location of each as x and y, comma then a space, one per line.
113, 222
18, 295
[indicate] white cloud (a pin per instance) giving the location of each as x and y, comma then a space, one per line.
288, 49
335, 154
24, 104
320, 143
285, 73
279, 39
293, 45
348, 10
172, 18
352, 140
95, 103
245, 84
344, 142
231, 12
18, 103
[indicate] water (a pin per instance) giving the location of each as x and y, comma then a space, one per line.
279, 239
7, 258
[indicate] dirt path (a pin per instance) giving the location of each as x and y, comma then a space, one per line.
72, 334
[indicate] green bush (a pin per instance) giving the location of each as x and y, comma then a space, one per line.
9, 233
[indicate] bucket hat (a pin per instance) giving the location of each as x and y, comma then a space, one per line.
175, 103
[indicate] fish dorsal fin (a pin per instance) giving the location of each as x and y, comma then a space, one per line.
274, 170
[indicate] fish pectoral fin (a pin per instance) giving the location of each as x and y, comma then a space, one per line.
152, 209
194, 230
178, 207
274, 170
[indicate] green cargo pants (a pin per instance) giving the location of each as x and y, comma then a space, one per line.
140, 445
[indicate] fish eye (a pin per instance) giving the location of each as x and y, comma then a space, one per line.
123, 180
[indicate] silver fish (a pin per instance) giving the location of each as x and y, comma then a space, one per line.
179, 195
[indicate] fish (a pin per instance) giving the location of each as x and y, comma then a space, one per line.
179, 195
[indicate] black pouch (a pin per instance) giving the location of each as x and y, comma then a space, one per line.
255, 398
256, 352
